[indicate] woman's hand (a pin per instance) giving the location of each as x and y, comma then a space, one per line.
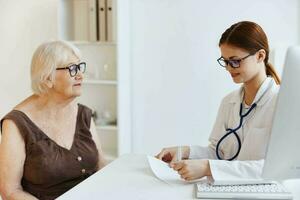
170, 154
192, 169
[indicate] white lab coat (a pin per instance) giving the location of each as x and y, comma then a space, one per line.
254, 135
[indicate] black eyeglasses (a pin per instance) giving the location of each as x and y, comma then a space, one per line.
74, 68
234, 63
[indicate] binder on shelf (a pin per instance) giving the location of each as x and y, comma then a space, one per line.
109, 20
81, 18
92, 20
102, 20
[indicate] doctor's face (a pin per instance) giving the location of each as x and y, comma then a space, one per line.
241, 65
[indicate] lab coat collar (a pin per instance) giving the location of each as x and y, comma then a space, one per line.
262, 96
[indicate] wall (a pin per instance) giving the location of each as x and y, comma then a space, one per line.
24, 25
124, 54
176, 83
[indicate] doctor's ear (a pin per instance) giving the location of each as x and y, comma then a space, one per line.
261, 55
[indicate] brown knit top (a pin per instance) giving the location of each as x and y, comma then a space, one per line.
50, 169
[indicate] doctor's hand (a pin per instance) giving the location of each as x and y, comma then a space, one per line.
170, 154
192, 169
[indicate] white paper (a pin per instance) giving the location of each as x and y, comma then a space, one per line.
165, 173
162, 171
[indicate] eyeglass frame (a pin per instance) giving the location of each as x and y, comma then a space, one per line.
77, 68
237, 60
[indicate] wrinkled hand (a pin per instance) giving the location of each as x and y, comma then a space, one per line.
192, 169
170, 154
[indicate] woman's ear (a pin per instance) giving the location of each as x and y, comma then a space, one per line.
49, 83
261, 55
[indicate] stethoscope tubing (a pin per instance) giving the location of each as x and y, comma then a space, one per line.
233, 131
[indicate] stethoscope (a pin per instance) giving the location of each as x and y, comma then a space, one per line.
233, 131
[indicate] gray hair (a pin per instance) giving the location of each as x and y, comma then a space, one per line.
47, 57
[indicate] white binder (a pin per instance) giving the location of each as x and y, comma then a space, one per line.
92, 20
109, 11
81, 18
102, 20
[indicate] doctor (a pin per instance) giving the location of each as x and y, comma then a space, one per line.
241, 131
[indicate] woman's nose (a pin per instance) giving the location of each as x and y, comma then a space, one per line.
79, 75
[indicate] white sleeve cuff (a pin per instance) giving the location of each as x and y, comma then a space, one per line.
198, 152
236, 171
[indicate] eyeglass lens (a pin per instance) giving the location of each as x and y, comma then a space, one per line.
74, 68
232, 63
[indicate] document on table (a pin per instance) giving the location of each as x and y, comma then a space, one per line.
162, 171
165, 173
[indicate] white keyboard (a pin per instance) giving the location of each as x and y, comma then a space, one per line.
251, 191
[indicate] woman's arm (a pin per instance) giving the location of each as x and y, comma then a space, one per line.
220, 170
236, 170
12, 157
102, 161
192, 169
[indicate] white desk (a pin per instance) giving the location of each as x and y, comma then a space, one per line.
129, 177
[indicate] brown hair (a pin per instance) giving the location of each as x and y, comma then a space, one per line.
251, 37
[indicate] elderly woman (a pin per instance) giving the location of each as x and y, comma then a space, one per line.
49, 142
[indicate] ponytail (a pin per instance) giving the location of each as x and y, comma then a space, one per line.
270, 71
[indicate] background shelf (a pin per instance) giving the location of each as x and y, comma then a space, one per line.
107, 127
79, 21
93, 43
100, 82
